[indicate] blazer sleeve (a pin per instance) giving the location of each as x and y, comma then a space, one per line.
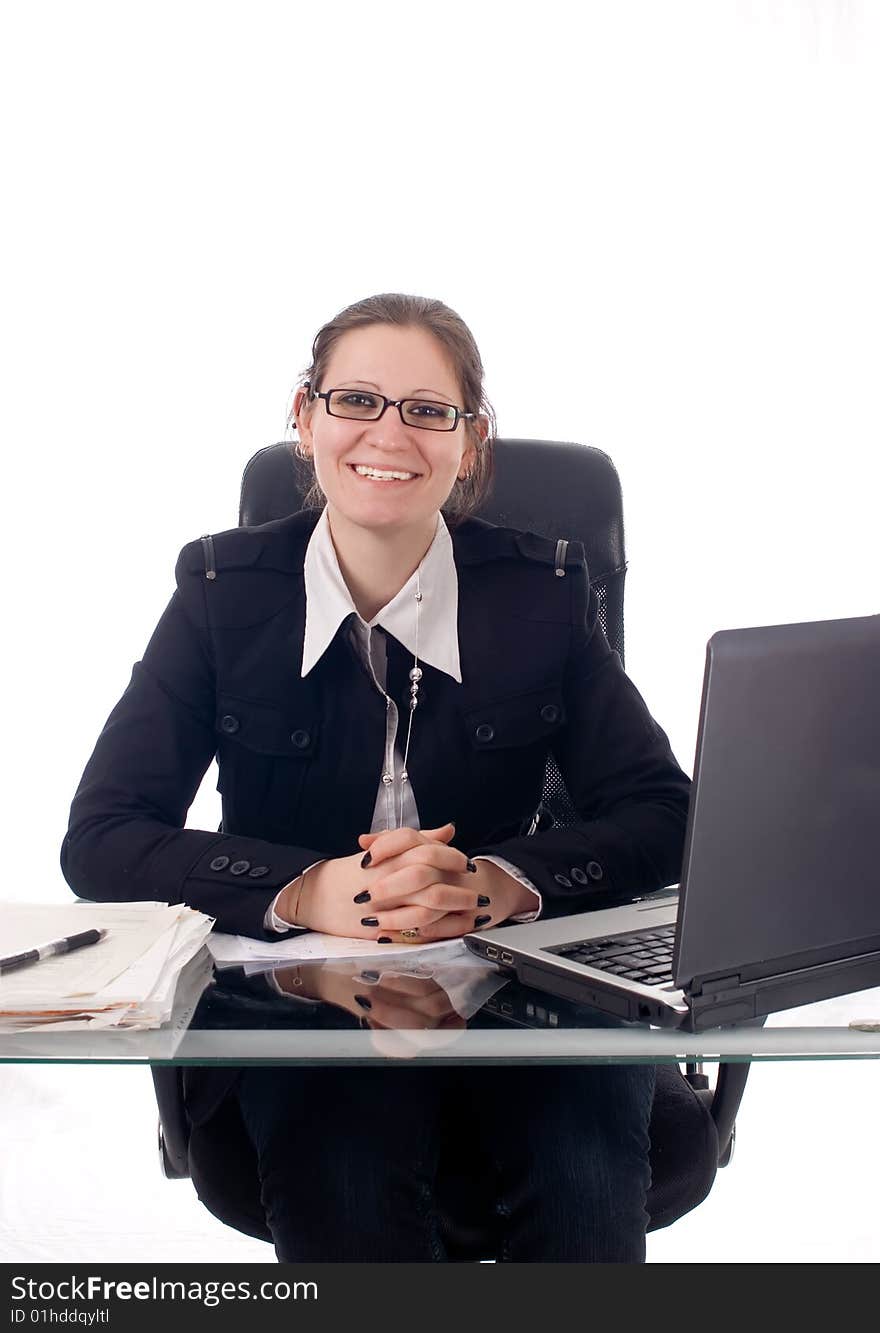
126, 839
630, 793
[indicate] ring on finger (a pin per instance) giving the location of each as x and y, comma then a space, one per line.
411, 934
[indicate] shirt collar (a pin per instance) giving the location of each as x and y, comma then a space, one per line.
329, 603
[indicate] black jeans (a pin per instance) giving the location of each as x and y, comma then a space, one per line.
348, 1158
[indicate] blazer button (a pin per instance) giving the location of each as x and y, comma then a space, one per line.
579, 875
257, 872
300, 739
550, 713
239, 867
220, 863
485, 732
563, 879
229, 724
594, 870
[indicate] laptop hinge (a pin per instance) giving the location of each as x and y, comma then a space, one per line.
727, 981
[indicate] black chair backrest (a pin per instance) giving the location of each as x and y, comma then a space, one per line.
551, 487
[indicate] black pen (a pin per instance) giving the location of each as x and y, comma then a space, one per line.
49, 950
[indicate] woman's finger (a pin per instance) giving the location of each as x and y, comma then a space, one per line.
421, 886
395, 882
392, 842
450, 926
405, 918
437, 854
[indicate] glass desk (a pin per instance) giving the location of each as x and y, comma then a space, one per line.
427, 1014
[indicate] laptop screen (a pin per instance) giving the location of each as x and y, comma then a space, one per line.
782, 857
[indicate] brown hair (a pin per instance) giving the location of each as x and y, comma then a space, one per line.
456, 338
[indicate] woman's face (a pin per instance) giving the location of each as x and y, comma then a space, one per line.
399, 363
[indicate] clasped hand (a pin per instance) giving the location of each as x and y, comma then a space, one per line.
414, 881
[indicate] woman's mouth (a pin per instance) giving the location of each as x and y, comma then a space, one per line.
382, 476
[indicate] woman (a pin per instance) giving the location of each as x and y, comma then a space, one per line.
389, 674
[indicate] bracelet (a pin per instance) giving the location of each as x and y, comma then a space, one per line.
302, 880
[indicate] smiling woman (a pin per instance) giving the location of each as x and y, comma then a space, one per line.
457, 383
383, 677
390, 454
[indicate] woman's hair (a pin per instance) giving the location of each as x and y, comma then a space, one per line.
456, 338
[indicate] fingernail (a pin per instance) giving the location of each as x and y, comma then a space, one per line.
369, 975
384, 939
472, 867
363, 1001
366, 859
362, 897
483, 901
481, 920
369, 921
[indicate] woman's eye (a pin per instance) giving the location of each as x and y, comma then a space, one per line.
358, 400
429, 410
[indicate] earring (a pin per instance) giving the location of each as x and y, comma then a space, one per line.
298, 450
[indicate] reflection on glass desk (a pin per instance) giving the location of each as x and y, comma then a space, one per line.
368, 1011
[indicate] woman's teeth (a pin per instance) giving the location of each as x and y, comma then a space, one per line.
375, 475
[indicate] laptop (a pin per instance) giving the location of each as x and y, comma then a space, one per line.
779, 901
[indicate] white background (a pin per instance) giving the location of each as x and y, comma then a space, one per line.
660, 222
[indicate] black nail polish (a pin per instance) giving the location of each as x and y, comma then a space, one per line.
472, 866
363, 1001
369, 921
483, 901
366, 859
369, 975
481, 920
384, 939
362, 897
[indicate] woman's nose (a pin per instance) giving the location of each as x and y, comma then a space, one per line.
388, 431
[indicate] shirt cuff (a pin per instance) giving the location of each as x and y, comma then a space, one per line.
522, 879
272, 921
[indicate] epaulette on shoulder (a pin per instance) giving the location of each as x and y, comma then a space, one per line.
277, 545
237, 548
563, 554
216, 580
479, 541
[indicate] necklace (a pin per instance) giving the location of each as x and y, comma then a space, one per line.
415, 676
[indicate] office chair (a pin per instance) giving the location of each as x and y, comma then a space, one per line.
559, 490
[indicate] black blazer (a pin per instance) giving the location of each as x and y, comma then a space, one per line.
299, 760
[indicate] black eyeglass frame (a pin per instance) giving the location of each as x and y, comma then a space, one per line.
390, 402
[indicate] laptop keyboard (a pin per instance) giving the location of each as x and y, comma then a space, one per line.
641, 955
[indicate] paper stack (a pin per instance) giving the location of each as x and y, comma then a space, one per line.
126, 980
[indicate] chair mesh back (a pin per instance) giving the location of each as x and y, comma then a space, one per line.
551, 487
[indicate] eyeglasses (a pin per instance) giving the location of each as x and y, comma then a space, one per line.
363, 405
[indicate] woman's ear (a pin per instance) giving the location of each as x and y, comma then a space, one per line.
469, 457
300, 414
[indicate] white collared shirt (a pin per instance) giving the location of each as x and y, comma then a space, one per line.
329, 603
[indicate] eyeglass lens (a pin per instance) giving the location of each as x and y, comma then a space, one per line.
361, 406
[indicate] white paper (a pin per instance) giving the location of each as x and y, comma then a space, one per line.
231, 950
